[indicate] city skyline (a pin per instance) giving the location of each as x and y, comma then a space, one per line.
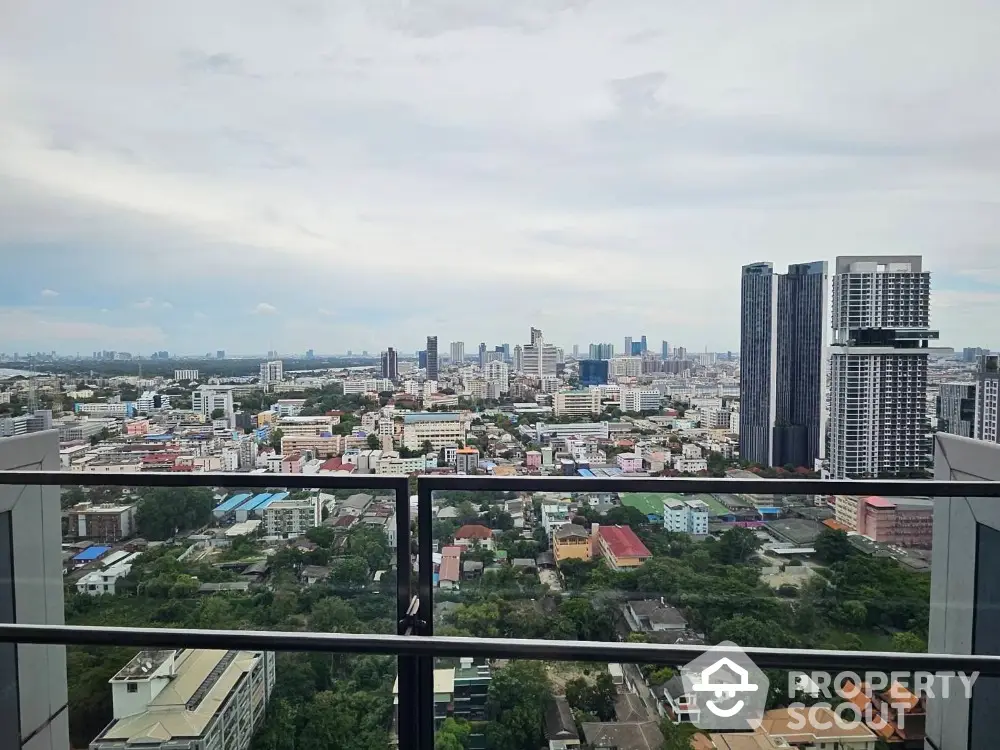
409, 145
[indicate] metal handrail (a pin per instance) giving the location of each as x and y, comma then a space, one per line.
416, 646
490, 648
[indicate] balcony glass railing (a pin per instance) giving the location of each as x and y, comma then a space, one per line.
491, 612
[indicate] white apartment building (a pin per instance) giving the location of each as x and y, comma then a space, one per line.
538, 359
391, 464
271, 372
185, 375
457, 352
692, 465
369, 421
208, 398
640, 399
625, 367
685, 517
577, 403
466, 461
439, 428
151, 401
716, 418
499, 372
290, 518
320, 446
845, 508
690, 450
878, 370
191, 699
119, 409
12, 426
371, 385
103, 581
386, 427
986, 425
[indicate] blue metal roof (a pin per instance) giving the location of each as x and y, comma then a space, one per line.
430, 416
232, 503
91, 553
273, 499
585, 472
255, 502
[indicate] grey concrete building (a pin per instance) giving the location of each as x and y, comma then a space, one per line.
956, 408
965, 592
987, 398
33, 697
432, 358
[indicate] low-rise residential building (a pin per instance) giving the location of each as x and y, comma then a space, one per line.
685, 516
629, 463
575, 429
472, 535
571, 542
307, 425
466, 460
102, 522
533, 459
461, 693
105, 580
845, 511
391, 463
653, 616
690, 465
321, 446
185, 375
192, 699
450, 571
290, 518
817, 728
560, 727
620, 547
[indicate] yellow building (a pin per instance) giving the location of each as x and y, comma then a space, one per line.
571, 542
265, 417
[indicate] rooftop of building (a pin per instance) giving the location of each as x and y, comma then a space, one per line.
623, 542
202, 681
431, 416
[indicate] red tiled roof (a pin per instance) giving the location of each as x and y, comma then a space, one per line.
473, 531
835, 525
331, 464
345, 521
623, 542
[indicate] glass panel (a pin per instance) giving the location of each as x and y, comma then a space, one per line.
513, 704
237, 558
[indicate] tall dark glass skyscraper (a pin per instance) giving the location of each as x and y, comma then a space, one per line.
782, 363
432, 357
390, 369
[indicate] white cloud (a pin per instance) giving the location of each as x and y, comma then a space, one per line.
264, 308
144, 304
167, 306
50, 293
628, 152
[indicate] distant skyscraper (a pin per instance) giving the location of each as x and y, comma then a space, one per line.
457, 352
432, 358
310, 354
593, 372
482, 355
987, 406
665, 350
422, 359
956, 408
602, 351
535, 335
221, 354
518, 358
782, 375
878, 367
643, 340
390, 368
628, 346
973, 353
540, 359
636, 349
506, 352
576, 351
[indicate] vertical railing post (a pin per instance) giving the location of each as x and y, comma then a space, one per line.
407, 706
425, 589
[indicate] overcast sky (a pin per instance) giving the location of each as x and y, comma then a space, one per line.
331, 175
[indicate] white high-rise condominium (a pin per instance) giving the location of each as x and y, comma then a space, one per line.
987, 398
271, 372
457, 352
498, 371
782, 363
539, 358
518, 358
878, 366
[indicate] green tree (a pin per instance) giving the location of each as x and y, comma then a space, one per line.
373, 442
516, 704
218, 413
908, 642
453, 735
597, 699
349, 574
165, 511
736, 546
832, 546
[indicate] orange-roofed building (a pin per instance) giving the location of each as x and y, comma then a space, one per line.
473, 534
882, 712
